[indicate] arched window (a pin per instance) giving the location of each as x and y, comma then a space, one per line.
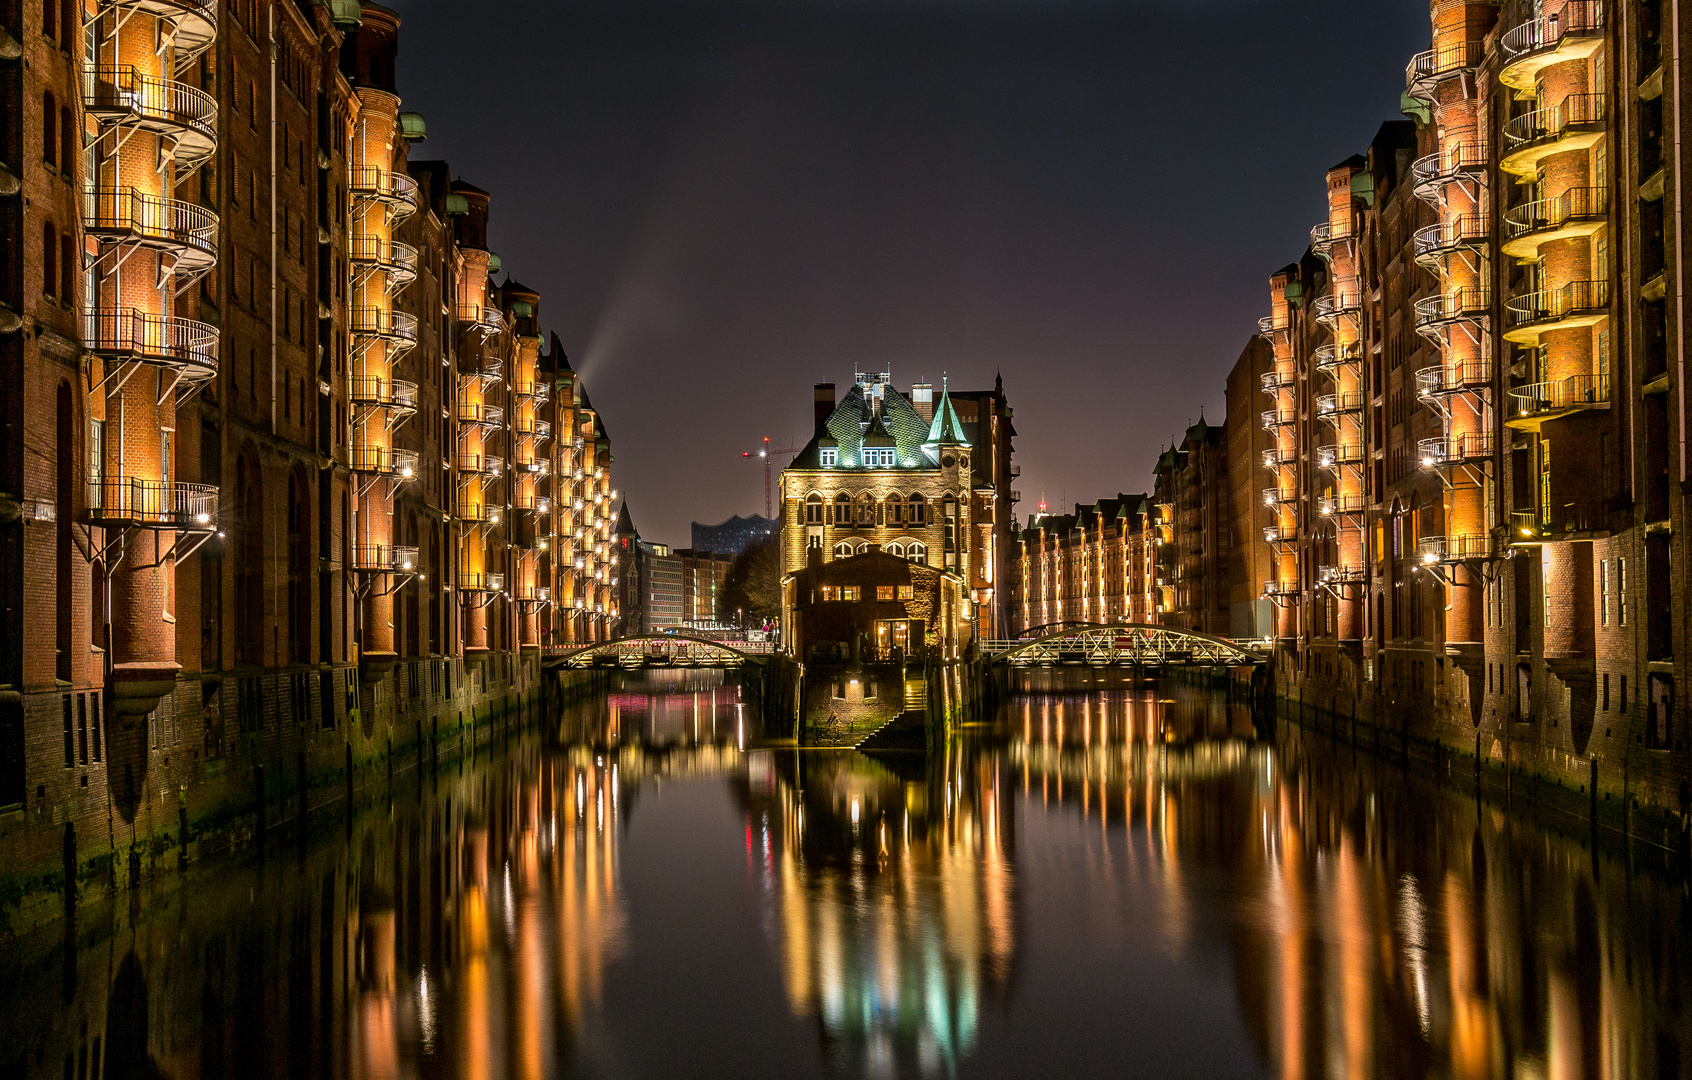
895, 504
813, 509
843, 550
843, 509
895, 549
50, 18
67, 143
67, 269
917, 553
866, 509
916, 510
49, 128
49, 259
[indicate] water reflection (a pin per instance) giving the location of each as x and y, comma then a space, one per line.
1115, 876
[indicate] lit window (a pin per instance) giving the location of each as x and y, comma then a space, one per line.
907, 592
830, 458
829, 592
884, 592
879, 458
849, 592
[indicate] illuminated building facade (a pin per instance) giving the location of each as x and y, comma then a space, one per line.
1095, 565
305, 490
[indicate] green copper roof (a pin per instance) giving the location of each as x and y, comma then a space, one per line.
854, 424
946, 428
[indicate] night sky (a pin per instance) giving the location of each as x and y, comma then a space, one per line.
724, 203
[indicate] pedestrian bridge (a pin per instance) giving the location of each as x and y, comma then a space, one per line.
1124, 645
659, 651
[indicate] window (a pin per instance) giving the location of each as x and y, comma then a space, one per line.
907, 592
895, 504
885, 592
49, 128
67, 269
50, 18
879, 458
49, 259
894, 549
843, 550
830, 457
813, 510
1621, 592
916, 509
830, 593
1545, 587
67, 144
849, 593
917, 553
866, 510
96, 463
1604, 593
843, 509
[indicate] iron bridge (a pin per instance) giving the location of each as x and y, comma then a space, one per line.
1123, 645
660, 651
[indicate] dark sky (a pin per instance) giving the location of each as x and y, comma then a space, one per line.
724, 203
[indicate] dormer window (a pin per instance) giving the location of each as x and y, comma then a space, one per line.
830, 457
880, 458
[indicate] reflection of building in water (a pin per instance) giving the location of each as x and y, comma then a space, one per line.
895, 893
661, 709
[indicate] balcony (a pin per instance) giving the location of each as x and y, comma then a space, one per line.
394, 191
1438, 550
1534, 404
1575, 123
1281, 590
1269, 326
1276, 458
373, 254
1576, 304
479, 414
480, 581
398, 395
1281, 534
193, 22
1463, 376
539, 389
532, 594
538, 504
1330, 308
1427, 70
1336, 406
1461, 162
480, 513
488, 466
1339, 575
529, 427
1336, 456
492, 369
128, 98
124, 335
151, 504
1340, 505
1327, 236
1433, 243
383, 461
397, 328
182, 230
1576, 212
385, 559
1572, 33
1273, 497
1455, 449
1274, 382
1331, 358
1435, 313
1275, 419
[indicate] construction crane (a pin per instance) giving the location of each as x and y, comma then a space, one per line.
763, 453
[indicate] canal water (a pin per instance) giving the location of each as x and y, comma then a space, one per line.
1108, 879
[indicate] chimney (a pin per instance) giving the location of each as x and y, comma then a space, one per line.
824, 402
922, 399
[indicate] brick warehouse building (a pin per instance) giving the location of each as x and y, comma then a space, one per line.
1476, 389
290, 485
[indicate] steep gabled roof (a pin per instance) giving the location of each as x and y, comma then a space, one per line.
854, 422
946, 429
625, 523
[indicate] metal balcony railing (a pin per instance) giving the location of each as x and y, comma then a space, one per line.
393, 326
1327, 236
128, 97
385, 559
1332, 505
1274, 419
1455, 449
480, 513
1453, 378
397, 394
1541, 127
1539, 400
484, 415
527, 425
538, 504
1582, 208
1281, 534
1281, 588
1459, 305
1428, 69
531, 594
480, 581
1330, 358
1341, 574
1575, 28
397, 260
125, 215
1274, 382
1574, 300
383, 461
151, 504
1273, 496
1329, 406
1269, 325
1333, 306
193, 23
1440, 239
1276, 458
489, 465
1433, 550
130, 334
395, 190
1337, 455
1429, 174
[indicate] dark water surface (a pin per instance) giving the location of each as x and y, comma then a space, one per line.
1127, 881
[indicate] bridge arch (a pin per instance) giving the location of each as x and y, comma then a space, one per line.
1096, 645
643, 648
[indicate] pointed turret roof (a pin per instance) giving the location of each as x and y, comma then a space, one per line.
946, 428
625, 523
